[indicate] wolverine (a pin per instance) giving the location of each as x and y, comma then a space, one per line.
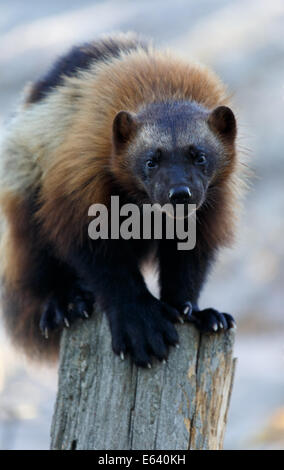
114, 117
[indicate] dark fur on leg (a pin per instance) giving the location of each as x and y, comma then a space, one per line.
182, 276
140, 324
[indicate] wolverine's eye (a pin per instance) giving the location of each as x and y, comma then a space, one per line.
201, 159
151, 164
154, 160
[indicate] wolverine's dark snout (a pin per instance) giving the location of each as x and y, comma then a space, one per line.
180, 195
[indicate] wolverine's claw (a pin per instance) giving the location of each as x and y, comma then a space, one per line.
66, 322
187, 308
46, 333
215, 327
85, 314
122, 356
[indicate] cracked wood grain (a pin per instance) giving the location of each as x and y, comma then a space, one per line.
105, 403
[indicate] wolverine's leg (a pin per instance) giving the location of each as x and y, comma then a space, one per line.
182, 275
67, 300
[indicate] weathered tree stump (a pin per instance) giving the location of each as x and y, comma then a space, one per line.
105, 403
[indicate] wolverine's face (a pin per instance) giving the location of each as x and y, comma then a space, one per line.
177, 174
176, 151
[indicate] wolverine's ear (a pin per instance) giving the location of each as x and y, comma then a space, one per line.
124, 127
223, 121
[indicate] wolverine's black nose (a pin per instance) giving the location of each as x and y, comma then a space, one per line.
180, 195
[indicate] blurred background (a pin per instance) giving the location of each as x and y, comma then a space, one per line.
243, 40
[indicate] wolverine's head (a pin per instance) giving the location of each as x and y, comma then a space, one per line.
173, 152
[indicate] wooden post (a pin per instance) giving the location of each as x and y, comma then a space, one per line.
105, 403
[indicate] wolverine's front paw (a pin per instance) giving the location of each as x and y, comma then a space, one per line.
210, 320
144, 331
61, 309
